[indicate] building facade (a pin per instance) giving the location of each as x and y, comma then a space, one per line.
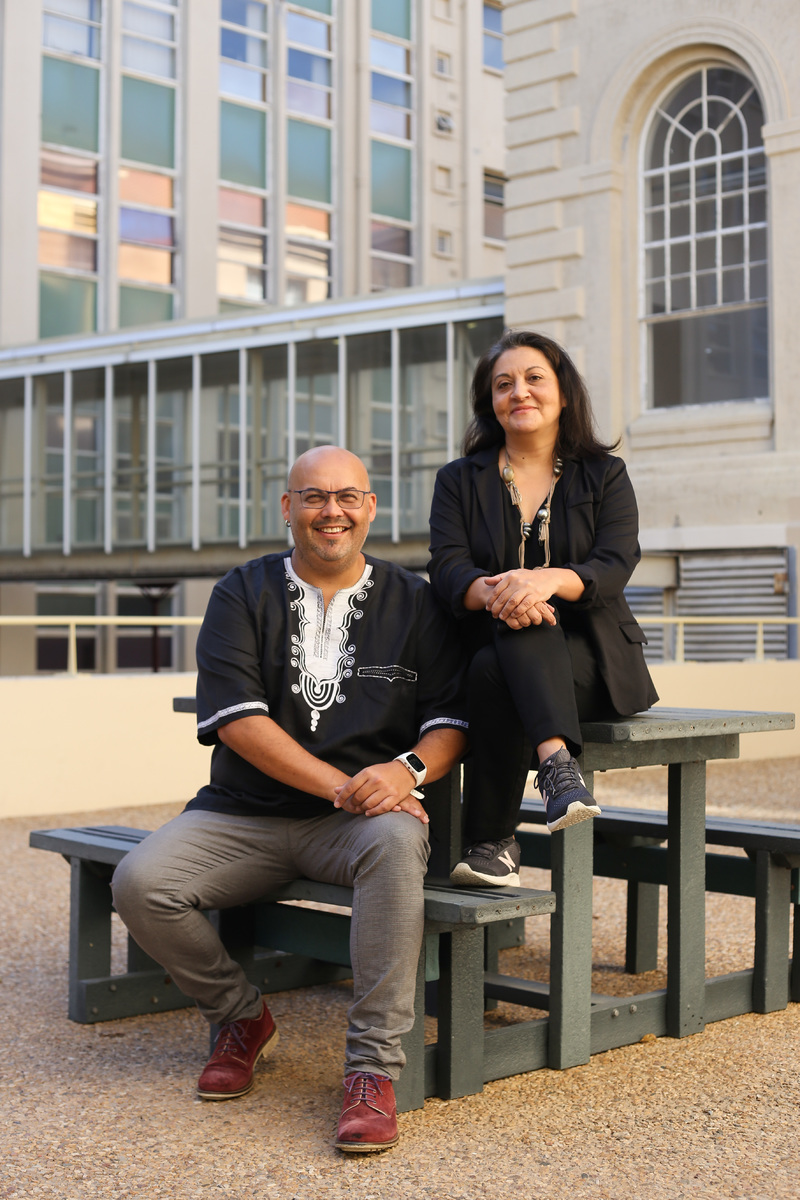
234, 229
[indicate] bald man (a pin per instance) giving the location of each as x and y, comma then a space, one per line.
329, 685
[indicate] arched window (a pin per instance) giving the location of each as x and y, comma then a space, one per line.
705, 243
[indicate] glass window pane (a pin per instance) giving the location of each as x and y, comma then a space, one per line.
148, 21
386, 273
244, 247
389, 90
241, 207
492, 52
678, 186
66, 305
393, 17
309, 161
66, 212
758, 282
145, 187
733, 210
71, 37
391, 239
70, 99
148, 57
311, 67
247, 82
242, 145
238, 279
680, 258
137, 306
733, 250
758, 207
85, 10
306, 290
249, 13
654, 231
322, 6
681, 293
492, 18
705, 216
145, 264
758, 245
733, 286
153, 228
307, 99
11, 460
493, 221
241, 48
654, 263
130, 432
308, 260
706, 253
710, 358
61, 250
148, 122
308, 31
706, 289
302, 221
391, 181
68, 171
389, 55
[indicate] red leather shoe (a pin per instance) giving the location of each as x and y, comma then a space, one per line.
229, 1071
368, 1120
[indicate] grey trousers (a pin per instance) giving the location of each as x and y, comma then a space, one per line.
205, 860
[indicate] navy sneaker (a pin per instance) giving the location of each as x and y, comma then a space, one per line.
566, 797
489, 864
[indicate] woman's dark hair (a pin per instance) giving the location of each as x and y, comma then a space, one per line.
577, 437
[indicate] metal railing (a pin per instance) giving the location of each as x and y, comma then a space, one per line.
680, 624
71, 624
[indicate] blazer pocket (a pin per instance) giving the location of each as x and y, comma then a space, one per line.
633, 632
579, 498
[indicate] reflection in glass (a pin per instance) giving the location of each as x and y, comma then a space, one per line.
145, 187
388, 273
129, 442
62, 250
423, 421
12, 393
268, 373
148, 57
219, 448
173, 451
710, 358
71, 37
68, 171
369, 408
88, 425
248, 82
145, 264
241, 207
304, 221
149, 21
155, 229
307, 99
56, 211
251, 14
316, 394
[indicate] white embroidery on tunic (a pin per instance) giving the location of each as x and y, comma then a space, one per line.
321, 652
391, 673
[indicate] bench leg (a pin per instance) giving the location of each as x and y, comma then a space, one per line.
641, 940
499, 936
794, 986
459, 1051
686, 901
410, 1088
89, 933
571, 947
771, 974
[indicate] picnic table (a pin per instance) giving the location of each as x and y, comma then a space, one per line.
464, 931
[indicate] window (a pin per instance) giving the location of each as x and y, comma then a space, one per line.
69, 210
493, 36
443, 64
148, 38
494, 186
391, 123
705, 243
242, 241
444, 242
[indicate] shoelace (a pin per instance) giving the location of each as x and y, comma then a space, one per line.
230, 1037
484, 849
363, 1088
555, 775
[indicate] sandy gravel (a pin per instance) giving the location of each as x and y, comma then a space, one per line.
109, 1110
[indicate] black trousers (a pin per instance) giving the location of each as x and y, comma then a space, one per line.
524, 686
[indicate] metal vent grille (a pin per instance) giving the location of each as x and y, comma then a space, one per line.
649, 601
724, 584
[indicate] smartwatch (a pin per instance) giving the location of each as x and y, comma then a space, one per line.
415, 765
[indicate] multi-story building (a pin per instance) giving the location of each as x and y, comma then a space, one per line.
231, 229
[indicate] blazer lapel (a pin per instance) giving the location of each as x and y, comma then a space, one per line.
490, 500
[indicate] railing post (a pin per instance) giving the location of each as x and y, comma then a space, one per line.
72, 648
679, 642
759, 641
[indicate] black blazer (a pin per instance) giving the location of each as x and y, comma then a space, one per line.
596, 535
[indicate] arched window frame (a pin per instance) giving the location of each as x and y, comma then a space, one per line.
708, 293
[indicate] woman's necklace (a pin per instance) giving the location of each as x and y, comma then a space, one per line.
542, 516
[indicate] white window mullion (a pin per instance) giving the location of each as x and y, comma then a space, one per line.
108, 458
291, 416
342, 390
27, 467
242, 447
67, 466
449, 390
151, 456
195, 451
395, 374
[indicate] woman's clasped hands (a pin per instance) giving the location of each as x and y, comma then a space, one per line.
520, 597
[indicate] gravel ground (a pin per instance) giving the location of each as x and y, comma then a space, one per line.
109, 1110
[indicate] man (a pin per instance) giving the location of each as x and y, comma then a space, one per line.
329, 684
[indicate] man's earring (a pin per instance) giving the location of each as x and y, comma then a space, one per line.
288, 524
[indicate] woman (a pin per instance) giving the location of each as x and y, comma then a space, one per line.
534, 535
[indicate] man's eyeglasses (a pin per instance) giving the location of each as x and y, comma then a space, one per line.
345, 497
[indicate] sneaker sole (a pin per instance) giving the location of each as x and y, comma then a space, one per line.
267, 1048
464, 875
366, 1147
575, 813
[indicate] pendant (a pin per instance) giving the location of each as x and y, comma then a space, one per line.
527, 529
543, 513
508, 473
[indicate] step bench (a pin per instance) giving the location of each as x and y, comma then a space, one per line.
283, 946
629, 844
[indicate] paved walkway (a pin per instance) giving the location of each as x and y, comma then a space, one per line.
109, 1110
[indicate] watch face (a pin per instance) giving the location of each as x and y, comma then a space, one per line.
415, 761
